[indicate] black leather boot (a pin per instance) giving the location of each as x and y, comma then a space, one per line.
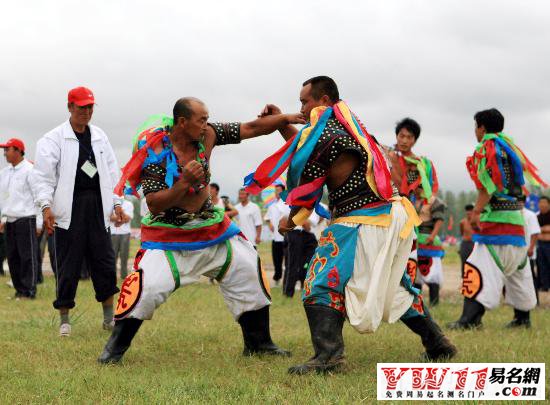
521, 319
472, 312
256, 335
120, 340
437, 345
326, 326
434, 294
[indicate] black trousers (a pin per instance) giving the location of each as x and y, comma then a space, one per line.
2, 251
301, 246
278, 254
86, 239
543, 265
22, 253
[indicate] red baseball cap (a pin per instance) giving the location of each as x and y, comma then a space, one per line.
81, 96
16, 143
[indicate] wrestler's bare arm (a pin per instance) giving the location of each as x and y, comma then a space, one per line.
435, 231
268, 124
287, 131
483, 198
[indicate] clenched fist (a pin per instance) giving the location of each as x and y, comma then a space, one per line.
193, 173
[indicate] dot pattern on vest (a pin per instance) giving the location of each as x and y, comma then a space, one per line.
152, 181
227, 132
355, 192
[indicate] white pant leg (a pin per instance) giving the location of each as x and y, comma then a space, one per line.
374, 292
483, 280
520, 291
244, 286
159, 272
433, 274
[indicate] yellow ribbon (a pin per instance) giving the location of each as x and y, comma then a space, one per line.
301, 216
412, 217
384, 220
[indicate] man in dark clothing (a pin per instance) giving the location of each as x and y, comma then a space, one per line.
543, 244
74, 175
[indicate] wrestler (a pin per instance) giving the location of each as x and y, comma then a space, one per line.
185, 237
429, 249
358, 268
499, 259
417, 179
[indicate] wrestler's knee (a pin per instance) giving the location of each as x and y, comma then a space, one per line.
146, 288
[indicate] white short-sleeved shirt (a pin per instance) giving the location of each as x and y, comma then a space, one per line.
249, 218
143, 207
17, 194
275, 212
532, 227
124, 229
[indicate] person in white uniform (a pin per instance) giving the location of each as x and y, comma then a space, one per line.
19, 219
249, 218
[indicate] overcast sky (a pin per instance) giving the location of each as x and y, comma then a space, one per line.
436, 61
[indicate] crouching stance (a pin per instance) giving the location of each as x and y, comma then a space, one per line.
185, 236
358, 269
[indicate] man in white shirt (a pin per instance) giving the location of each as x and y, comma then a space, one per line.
74, 175
275, 212
532, 232
249, 217
221, 202
120, 236
19, 219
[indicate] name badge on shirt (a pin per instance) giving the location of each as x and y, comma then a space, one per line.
89, 168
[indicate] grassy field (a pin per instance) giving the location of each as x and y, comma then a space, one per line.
191, 352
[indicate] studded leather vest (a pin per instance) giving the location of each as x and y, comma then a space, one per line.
153, 178
355, 192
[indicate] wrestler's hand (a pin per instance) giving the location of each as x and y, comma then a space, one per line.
285, 226
2, 227
296, 119
270, 109
430, 240
475, 220
193, 173
119, 214
530, 251
49, 220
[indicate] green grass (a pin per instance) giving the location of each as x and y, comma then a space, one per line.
191, 352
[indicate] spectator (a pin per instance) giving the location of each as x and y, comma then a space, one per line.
19, 219
2, 252
301, 245
543, 245
230, 210
466, 232
74, 175
249, 217
275, 212
214, 194
120, 236
221, 202
532, 232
